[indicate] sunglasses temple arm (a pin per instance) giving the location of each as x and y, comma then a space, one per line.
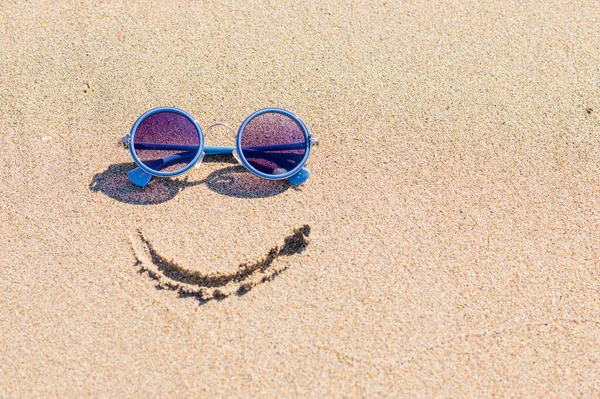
297, 179
221, 150
165, 147
218, 150
300, 177
141, 178
277, 147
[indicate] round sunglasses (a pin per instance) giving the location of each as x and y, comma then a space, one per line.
271, 143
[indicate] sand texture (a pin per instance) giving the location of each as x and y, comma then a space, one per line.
447, 243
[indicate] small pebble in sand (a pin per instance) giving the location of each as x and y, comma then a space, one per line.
46, 138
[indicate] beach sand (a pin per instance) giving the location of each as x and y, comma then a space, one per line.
452, 216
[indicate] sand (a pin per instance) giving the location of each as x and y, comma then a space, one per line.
453, 209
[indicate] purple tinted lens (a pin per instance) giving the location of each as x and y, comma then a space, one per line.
166, 141
273, 143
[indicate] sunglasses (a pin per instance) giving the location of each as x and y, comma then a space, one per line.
271, 143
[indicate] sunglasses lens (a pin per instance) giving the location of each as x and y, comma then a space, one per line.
273, 143
166, 141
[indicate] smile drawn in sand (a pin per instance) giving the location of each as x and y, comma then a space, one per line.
205, 287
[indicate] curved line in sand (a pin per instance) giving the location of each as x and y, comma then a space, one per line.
204, 287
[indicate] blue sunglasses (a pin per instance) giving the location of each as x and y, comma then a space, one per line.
271, 143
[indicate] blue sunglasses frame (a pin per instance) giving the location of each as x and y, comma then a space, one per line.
142, 175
